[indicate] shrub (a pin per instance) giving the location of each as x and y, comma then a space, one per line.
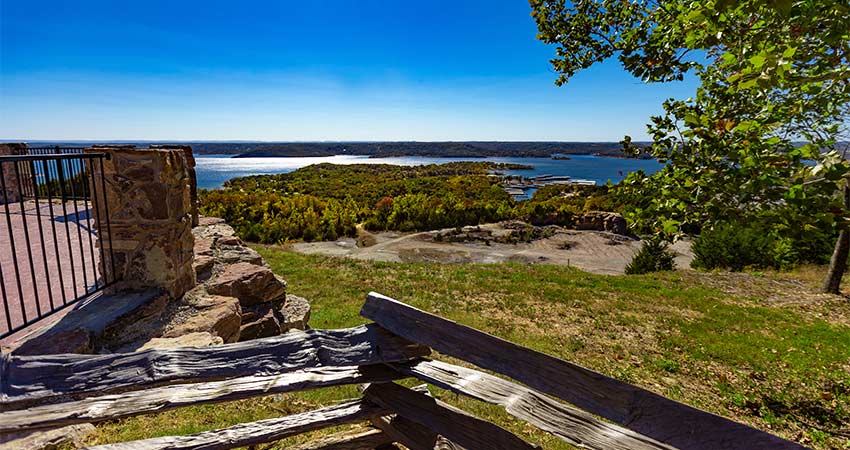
604, 202
811, 244
734, 247
786, 255
758, 244
654, 256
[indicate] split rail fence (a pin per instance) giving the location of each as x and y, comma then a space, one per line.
584, 408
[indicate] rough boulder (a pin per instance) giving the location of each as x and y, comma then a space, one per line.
250, 283
602, 221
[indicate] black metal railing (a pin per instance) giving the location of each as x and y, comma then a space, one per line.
55, 150
72, 170
51, 255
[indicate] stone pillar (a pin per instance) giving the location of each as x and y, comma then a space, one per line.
150, 217
193, 179
13, 194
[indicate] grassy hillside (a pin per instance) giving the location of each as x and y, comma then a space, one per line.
755, 347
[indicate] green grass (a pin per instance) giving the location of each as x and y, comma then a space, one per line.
780, 368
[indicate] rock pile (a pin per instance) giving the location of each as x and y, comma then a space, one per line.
239, 297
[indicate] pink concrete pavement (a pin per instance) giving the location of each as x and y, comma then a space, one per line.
59, 273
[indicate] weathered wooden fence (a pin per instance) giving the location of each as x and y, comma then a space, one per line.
577, 405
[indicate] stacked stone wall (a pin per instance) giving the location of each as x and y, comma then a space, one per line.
190, 169
149, 207
10, 179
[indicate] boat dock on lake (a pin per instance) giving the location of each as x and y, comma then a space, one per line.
523, 188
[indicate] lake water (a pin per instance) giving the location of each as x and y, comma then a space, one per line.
213, 170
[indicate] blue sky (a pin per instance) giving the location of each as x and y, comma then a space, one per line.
306, 70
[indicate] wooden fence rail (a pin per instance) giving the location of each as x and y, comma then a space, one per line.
561, 420
114, 406
261, 431
568, 401
638, 409
33, 379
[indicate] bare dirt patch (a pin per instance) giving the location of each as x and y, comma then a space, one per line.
593, 251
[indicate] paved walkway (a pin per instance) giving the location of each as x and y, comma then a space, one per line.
64, 262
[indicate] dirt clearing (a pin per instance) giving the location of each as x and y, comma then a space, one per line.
593, 251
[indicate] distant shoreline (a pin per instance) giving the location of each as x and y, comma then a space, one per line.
405, 155
389, 149
429, 149
448, 149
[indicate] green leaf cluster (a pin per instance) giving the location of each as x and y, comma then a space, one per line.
764, 134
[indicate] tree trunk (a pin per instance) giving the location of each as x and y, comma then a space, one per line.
838, 263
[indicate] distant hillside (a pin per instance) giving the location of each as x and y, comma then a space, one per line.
480, 149
432, 149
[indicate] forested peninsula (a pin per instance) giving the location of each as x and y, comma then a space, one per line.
327, 201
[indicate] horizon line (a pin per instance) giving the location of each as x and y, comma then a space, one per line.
249, 141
